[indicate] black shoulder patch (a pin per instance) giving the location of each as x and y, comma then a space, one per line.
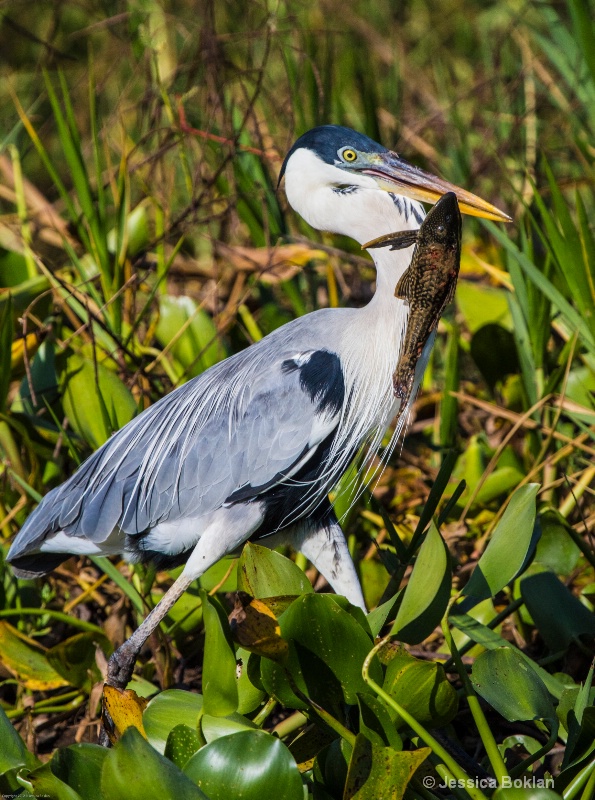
322, 378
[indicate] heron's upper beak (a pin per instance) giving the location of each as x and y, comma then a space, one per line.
394, 174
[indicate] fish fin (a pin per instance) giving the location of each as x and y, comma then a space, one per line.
397, 241
451, 290
403, 287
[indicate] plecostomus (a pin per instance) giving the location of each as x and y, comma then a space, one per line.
427, 285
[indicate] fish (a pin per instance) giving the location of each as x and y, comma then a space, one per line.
427, 285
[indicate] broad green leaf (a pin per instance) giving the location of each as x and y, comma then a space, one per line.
556, 548
505, 680
250, 692
182, 743
508, 548
97, 403
79, 766
43, 783
427, 593
219, 687
27, 660
264, 573
422, 688
558, 615
492, 641
481, 305
197, 342
251, 765
327, 651
493, 350
380, 772
378, 617
168, 709
133, 770
216, 727
13, 753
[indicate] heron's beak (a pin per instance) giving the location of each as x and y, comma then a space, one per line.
394, 174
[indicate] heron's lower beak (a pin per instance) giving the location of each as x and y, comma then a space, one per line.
394, 174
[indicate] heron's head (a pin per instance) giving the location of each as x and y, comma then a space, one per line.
344, 182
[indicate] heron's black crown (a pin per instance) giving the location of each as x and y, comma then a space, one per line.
326, 140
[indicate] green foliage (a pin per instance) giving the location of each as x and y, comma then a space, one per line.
138, 248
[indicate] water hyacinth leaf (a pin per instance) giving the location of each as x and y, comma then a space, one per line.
378, 617
427, 593
197, 343
264, 573
122, 709
376, 724
74, 658
96, 403
255, 627
493, 350
376, 771
182, 743
43, 783
508, 547
327, 650
556, 548
481, 305
504, 680
79, 766
250, 691
168, 709
220, 691
133, 770
27, 660
216, 727
520, 745
250, 764
422, 688
13, 753
558, 615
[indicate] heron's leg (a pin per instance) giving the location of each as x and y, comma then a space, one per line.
322, 541
121, 663
227, 528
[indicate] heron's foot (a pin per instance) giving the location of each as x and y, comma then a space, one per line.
121, 665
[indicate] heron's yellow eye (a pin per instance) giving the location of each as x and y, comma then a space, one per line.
348, 154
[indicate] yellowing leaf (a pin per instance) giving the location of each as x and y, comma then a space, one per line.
122, 709
27, 661
255, 627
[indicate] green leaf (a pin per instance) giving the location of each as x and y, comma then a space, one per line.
250, 692
422, 688
264, 573
558, 615
43, 783
197, 342
427, 593
219, 686
216, 727
505, 680
79, 766
327, 651
97, 404
509, 545
182, 743
481, 305
168, 709
13, 753
376, 724
27, 660
133, 770
556, 548
251, 765
380, 772
493, 350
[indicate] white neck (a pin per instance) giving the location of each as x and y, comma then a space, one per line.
363, 213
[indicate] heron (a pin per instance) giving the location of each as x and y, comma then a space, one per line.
250, 449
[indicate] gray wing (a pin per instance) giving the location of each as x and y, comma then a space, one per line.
223, 437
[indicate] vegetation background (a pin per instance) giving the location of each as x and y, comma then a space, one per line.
143, 238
